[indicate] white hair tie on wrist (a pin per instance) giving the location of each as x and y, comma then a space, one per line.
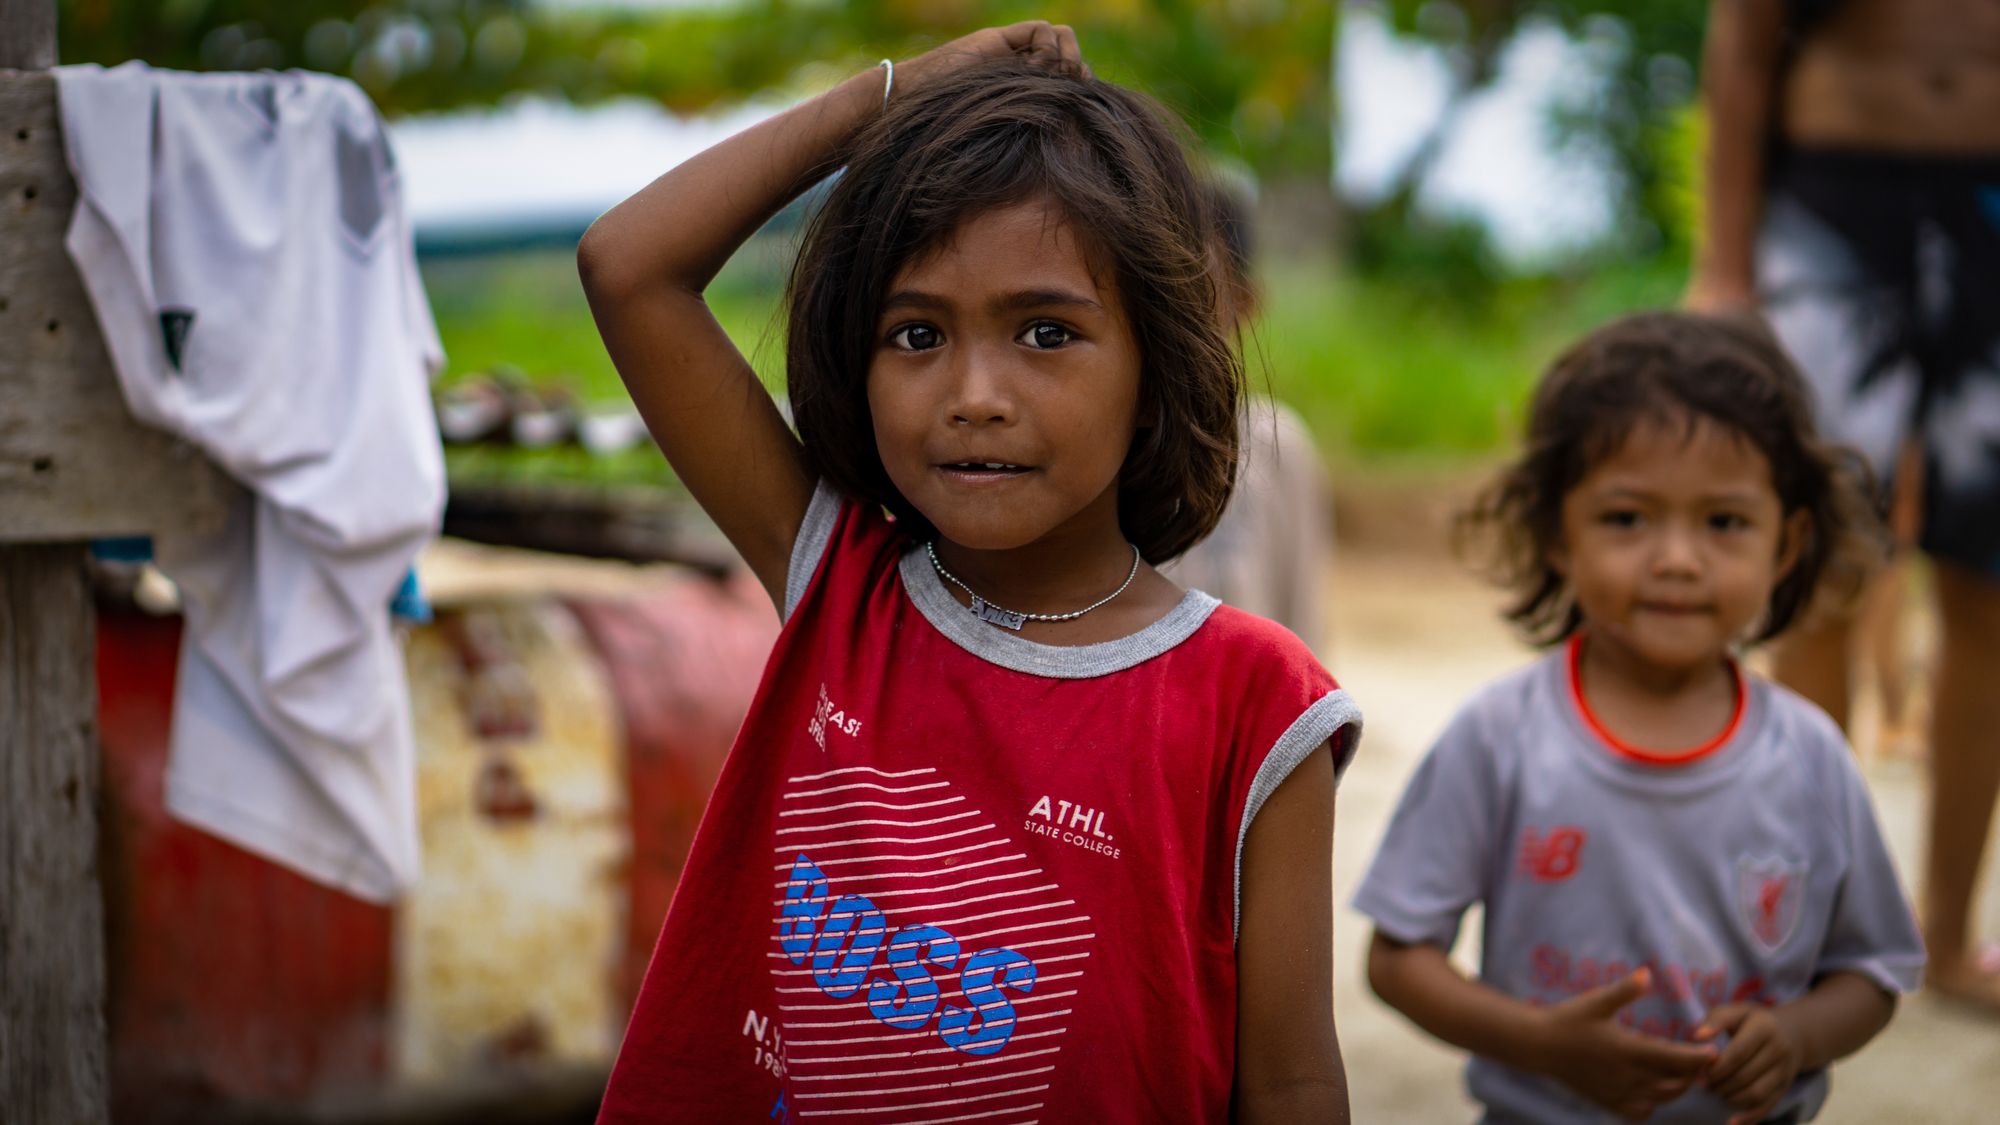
888, 79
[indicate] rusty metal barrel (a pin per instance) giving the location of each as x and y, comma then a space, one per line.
568, 732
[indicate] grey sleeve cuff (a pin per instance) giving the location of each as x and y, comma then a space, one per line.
1402, 926
1897, 975
810, 546
1334, 716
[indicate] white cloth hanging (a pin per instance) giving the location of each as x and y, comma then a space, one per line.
243, 239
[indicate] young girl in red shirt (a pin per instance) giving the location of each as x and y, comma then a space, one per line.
1016, 829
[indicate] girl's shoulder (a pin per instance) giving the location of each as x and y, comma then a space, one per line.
1253, 661
1797, 720
838, 528
1270, 685
1247, 637
1506, 723
1804, 743
1511, 702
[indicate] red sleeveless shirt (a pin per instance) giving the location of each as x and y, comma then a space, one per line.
949, 874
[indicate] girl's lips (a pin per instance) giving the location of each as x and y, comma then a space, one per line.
1673, 609
976, 477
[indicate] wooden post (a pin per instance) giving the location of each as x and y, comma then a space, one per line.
52, 1031
27, 34
73, 465
53, 1064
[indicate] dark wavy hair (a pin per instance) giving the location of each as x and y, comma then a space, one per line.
1672, 368
1112, 162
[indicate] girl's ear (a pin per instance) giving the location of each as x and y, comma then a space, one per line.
1149, 413
1149, 419
1147, 428
1792, 540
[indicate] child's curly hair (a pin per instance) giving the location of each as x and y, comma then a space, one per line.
1672, 367
1112, 163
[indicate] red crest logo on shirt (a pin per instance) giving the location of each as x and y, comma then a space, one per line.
1769, 893
1554, 855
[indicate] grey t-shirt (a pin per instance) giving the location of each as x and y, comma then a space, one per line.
1744, 874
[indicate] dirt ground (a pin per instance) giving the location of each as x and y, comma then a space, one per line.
1412, 635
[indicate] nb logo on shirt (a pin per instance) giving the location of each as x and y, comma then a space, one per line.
1553, 856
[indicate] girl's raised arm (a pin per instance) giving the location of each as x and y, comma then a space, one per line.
646, 262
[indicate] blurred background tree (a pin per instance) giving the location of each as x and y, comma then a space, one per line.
1634, 122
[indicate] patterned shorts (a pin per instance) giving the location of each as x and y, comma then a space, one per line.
1881, 274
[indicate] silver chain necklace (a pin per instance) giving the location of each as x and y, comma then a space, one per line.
1008, 619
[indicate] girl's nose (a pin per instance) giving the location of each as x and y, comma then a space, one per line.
979, 394
1677, 553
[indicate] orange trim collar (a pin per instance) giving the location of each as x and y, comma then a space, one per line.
1640, 754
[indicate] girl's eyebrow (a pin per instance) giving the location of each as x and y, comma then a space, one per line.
1733, 497
1024, 299
1045, 298
1623, 492
913, 299
1627, 492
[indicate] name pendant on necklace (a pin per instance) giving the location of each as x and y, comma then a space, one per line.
1005, 618
1009, 619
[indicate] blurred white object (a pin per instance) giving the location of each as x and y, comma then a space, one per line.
155, 593
611, 432
243, 240
541, 427
472, 411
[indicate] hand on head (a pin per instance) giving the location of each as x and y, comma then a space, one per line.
1039, 41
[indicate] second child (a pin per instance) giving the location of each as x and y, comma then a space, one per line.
1688, 909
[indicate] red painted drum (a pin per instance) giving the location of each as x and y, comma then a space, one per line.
230, 980
685, 662
569, 729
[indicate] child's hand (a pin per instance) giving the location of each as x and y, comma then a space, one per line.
1757, 1068
1630, 1074
1039, 40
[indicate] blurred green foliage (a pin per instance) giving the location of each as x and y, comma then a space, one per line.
1253, 77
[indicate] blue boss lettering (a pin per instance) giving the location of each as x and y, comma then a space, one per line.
805, 901
845, 938
908, 951
840, 965
989, 1023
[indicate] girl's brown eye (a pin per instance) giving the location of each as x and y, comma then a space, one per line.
1048, 335
915, 337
